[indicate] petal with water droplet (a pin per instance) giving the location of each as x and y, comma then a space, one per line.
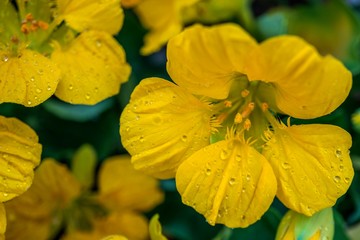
84, 14
19, 154
153, 124
205, 60
235, 193
21, 77
93, 72
315, 176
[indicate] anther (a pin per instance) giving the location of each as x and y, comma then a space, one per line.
247, 124
238, 118
24, 29
29, 17
245, 93
264, 106
43, 25
228, 103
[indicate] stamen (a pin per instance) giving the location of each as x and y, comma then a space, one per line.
228, 103
245, 93
43, 25
24, 29
248, 109
29, 17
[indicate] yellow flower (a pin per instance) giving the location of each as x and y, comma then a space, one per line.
56, 199
217, 130
78, 61
19, 154
297, 226
166, 18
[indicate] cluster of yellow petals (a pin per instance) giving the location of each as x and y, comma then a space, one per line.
216, 129
19, 154
78, 61
168, 17
123, 192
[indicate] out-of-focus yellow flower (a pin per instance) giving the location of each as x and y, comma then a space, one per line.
78, 61
166, 18
19, 154
217, 130
297, 226
155, 229
57, 199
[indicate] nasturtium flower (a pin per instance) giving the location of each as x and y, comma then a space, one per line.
217, 130
297, 226
60, 47
166, 18
19, 154
58, 199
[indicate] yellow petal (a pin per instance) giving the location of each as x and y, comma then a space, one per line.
121, 186
163, 21
19, 154
163, 125
2, 221
115, 237
128, 224
228, 182
297, 72
53, 189
205, 60
155, 229
28, 79
93, 68
106, 15
312, 165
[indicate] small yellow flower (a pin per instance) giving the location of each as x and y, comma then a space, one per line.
297, 226
217, 130
19, 154
166, 18
58, 199
78, 61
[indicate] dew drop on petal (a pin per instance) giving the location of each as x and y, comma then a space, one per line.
87, 96
29, 102
338, 153
32, 78
224, 154
141, 138
248, 177
5, 58
337, 179
71, 87
232, 181
285, 165
347, 180
38, 90
238, 157
184, 138
208, 171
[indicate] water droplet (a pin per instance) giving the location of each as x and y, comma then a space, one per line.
40, 71
243, 190
135, 107
5, 155
347, 180
141, 139
243, 217
137, 117
29, 102
208, 171
232, 181
87, 96
341, 167
248, 177
338, 153
32, 78
98, 43
48, 88
38, 90
71, 87
5, 194
224, 154
184, 138
5, 58
238, 157
96, 90
127, 129
285, 165
337, 179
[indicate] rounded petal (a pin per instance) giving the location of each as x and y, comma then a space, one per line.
20, 153
205, 60
312, 165
2, 221
121, 186
163, 125
306, 84
228, 182
93, 68
155, 229
106, 15
28, 79
53, 189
